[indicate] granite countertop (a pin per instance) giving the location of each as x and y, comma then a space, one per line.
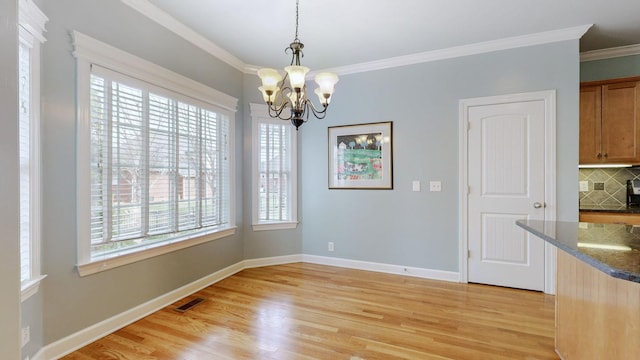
611, 248
611, 208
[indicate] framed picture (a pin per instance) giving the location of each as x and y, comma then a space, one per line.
360, 156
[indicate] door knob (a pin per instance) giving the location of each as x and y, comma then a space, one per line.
537, 205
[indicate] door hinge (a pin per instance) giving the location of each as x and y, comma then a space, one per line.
468, 254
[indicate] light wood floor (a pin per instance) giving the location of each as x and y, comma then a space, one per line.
308, 311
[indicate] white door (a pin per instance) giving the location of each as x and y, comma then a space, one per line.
506, 178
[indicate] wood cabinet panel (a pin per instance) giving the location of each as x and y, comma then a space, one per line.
596, 315
590, 124
610, 122
609, 218
620, 122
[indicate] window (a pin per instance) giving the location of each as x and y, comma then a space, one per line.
274, 166
32, 22
158, 175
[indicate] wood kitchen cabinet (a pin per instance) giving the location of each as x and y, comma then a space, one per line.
610, 122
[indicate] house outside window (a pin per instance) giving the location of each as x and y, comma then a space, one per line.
155, 159
274, 160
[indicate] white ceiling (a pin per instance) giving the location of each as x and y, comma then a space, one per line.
345, 32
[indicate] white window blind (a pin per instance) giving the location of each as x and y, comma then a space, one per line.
275, 170
160, 166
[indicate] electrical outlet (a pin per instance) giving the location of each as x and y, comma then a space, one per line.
26, 335
415, 185
584, 185
435, 186
331, 248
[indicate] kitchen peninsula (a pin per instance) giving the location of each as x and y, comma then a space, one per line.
598, 288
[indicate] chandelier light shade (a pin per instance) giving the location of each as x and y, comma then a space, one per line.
287, 97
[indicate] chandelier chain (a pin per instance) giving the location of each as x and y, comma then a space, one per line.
297, 4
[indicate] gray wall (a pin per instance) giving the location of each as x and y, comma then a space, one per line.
32, 316
610, 68
72, 303
420, 229
9, 183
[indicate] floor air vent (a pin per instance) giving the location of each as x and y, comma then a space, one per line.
189, 305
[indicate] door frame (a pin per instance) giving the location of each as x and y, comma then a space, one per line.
549, 98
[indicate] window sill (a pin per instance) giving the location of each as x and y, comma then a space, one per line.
127, 257
30, 287
275, 226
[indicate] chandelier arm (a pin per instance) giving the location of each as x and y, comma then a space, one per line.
277, 110
320, 114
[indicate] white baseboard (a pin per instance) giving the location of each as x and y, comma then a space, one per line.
276, 260
88, 335
39, 355
384, 268
94, 332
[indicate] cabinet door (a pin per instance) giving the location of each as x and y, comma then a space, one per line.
590, 124
620, 122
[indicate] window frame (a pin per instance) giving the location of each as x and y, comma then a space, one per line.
259, 115
31, 30
89, 51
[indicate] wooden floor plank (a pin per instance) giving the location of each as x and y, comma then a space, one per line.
309, 311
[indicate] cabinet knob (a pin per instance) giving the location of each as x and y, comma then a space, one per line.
538, 205
599, 156
606, 155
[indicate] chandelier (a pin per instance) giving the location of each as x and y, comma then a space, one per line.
292, 96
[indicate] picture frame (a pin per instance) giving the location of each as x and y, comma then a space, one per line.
361, 156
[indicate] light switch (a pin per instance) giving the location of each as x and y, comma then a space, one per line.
435, 186
415, 185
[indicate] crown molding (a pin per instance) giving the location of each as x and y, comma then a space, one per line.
466, 50
156, 14
610, 53
252, 69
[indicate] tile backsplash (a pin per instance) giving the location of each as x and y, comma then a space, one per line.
611, 185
